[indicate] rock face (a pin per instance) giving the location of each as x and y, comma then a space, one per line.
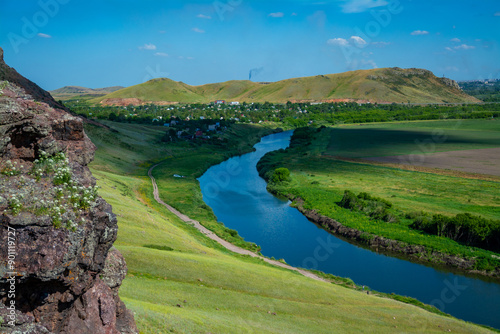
57, 273
451, 83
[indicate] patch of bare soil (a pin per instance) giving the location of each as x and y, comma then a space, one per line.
481, 161
134, 102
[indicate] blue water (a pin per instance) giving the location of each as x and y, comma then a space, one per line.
238, 197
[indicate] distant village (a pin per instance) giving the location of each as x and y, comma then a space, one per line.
199, 121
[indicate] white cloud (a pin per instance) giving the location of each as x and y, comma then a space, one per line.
278, 14
161, 54
44, 35
369, 63
201, 16
190, 58
362, 64
353, 41
449, 49
162, 31
198, 30
358, 6
496, 14
294, 14
358, 40
464, 47
147, 47
420, 32
381, 44
451, 68
456, 40
338, 41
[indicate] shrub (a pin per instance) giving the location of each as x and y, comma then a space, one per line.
374, 207
280, 175
466, 228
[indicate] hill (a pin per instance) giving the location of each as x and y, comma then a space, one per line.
385, 85
71, 92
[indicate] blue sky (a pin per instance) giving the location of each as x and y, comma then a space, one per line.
123, 42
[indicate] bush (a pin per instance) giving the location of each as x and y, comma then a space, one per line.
280, 175
374, 207
466, 228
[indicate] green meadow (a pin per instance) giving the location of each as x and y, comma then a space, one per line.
420, 137
179, 281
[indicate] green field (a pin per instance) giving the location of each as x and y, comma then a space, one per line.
189, 284
386, 139
320, 180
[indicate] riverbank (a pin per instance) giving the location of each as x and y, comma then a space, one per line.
417, 253
318, 182
181, 281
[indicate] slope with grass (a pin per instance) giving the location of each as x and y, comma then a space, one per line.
180, 281
73, 92
377, 85
320, 177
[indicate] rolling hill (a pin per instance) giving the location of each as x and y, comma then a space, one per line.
376, 85
70, 92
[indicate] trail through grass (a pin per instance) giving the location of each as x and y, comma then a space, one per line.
182, 282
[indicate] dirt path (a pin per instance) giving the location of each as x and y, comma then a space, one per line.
221, 241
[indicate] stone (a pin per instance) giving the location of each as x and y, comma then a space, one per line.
67, 280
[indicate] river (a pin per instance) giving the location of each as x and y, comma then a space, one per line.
239, 199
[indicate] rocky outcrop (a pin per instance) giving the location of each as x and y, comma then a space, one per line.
57, 274
451, 83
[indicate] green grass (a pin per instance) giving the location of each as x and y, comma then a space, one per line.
321, 181
182, 282
412, 138
399, 86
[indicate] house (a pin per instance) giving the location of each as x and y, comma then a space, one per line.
202, 117
198, 134
212, 127
173, 123
235, 103
220, 102
167, 125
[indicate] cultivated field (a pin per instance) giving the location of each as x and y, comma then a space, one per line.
481, 161
465, 145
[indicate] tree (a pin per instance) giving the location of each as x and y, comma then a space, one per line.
280, 174
112, 116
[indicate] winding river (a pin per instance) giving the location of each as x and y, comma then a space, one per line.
238, 197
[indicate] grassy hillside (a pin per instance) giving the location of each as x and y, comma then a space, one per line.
182, 282
72, 92
377, 85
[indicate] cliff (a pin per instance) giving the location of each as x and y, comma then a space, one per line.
58, 273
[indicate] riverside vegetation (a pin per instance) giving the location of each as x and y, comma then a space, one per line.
445, 213
180, 281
